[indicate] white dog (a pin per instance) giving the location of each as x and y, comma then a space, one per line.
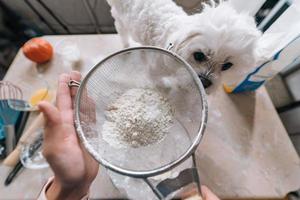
213, 41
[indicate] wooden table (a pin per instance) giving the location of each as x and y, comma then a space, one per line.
246, 152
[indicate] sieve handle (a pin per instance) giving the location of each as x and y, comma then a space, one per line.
187, 183
184, 179
73, 83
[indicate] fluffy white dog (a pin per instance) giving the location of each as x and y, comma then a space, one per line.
213, 41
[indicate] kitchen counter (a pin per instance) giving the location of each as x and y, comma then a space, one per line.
245, 152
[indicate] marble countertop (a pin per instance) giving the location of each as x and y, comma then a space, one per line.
245, 152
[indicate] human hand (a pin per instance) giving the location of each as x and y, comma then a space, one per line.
74, 169
207, 194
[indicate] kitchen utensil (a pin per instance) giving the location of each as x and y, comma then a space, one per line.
31, 153
9, 91
13, 157
34, 89
26, 158
27, 139
13, 173
160, 70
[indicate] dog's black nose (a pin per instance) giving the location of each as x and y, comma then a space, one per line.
205, 81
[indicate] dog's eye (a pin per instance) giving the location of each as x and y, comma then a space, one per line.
226, 66
200, 56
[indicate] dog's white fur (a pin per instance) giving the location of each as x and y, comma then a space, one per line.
220, 32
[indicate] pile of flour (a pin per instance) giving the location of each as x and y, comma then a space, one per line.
139, 117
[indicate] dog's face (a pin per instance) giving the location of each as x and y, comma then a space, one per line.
220, 41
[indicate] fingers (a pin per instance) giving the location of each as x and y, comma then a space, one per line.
64, 93
207, 194
76, 76
63, 97
50, 112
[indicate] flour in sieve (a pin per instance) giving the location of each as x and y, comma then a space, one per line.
139, 117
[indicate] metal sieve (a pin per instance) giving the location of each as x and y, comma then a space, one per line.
165, 72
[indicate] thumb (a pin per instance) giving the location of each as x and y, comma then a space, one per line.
51, 113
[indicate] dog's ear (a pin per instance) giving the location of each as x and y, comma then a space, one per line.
266, 46
179, 39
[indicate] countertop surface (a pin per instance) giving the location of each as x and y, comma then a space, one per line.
245, 152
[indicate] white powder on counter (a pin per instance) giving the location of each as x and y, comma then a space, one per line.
139, 117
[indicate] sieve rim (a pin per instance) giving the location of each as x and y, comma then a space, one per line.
168, 166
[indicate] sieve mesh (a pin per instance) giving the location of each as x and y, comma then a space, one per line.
149, 68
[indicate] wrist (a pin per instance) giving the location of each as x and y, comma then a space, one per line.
60, 191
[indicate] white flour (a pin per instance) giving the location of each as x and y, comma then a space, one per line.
137, 118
